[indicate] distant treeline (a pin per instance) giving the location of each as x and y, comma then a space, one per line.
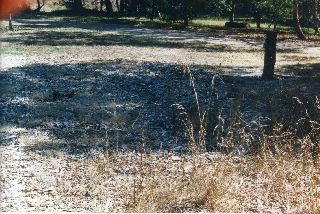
292, 12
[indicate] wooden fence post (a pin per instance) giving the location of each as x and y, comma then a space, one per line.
270, 52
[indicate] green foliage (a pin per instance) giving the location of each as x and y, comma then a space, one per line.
182, 9
216, 8
270, 11
72, 4
275, 10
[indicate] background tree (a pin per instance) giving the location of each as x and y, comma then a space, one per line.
296, 13
76, 5
232, 7
276, 10
257, 8
296, 18
109, 8
40, 4
315, 7
183, 10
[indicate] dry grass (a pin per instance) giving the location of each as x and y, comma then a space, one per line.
279, 178
282, 176
280, 184
161, 183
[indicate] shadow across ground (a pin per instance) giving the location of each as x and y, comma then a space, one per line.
95, 16
127, 105
305, 70
70, 33
67, 32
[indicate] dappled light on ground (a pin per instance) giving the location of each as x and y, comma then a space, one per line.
99, 117
59, 41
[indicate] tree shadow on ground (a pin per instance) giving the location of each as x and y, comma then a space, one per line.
304, 70
68, 33
129, 105
75, 32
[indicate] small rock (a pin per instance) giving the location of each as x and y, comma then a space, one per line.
28, 175
11, 137
209, 157
178, 148
87, 194
175, 158
50, 189
188, 167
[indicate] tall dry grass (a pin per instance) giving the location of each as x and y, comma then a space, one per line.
203, 182
282, 175
277, 184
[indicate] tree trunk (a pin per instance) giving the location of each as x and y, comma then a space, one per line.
270, 55
138, 9
296, 18
185, 13
122, 6
39, 5
258, 18
10, 23
152, 10
315, 16
118, 5
77, 5
185, 22
232, 11
109, 7
101, 5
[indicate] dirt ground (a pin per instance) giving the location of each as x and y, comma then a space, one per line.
59, 42
72, 90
